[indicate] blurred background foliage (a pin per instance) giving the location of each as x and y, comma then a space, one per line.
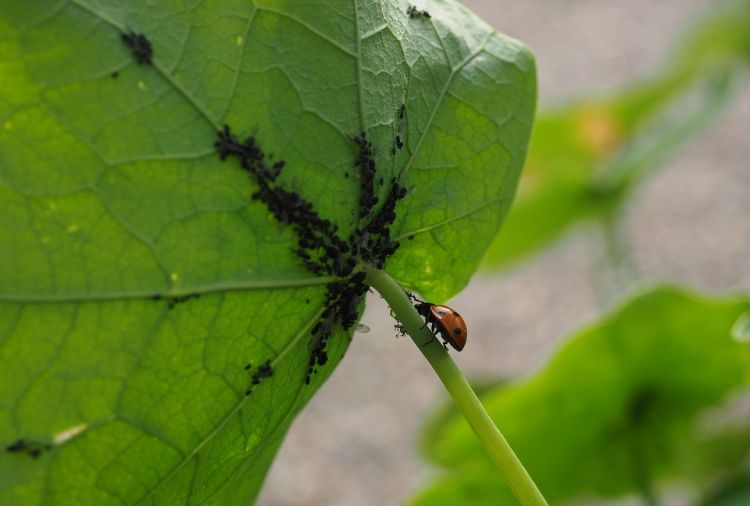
619, 408
585, 157
650, 402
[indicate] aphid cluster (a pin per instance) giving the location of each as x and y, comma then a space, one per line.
372, 240
319, 246
31, 448
139, 45
366, 163
265, 370
413, 13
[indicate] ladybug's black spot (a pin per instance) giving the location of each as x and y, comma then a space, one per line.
457, 331
139, 45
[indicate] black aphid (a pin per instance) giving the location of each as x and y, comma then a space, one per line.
18, 445
139, 45
178, 299
413, 13
31, 448
265, 370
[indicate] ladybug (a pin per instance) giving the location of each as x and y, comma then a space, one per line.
443, 321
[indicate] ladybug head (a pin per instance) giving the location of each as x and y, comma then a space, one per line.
423, 308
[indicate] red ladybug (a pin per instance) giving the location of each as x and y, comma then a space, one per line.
444, 321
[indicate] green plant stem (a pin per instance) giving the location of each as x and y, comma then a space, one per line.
468, 403
619, 254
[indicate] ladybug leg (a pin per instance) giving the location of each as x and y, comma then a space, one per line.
428, 342
433, 331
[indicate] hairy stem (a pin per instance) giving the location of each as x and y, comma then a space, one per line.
459, 389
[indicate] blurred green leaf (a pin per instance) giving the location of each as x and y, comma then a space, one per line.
741, 328
719, 458
615, 404
137, 276
737, 494
585, 157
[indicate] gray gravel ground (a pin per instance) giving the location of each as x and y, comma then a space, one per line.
356, 443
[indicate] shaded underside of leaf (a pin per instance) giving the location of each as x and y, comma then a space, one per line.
138, 277
618, 399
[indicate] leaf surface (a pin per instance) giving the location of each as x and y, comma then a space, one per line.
137, 275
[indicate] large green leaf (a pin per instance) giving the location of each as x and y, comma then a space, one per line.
585, 157
137, 277
617, 402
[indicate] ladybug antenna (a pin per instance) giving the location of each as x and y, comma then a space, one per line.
414, 297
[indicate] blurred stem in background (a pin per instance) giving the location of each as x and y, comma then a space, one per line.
620, 261
458, 387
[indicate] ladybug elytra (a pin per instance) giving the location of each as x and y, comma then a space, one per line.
444, 321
